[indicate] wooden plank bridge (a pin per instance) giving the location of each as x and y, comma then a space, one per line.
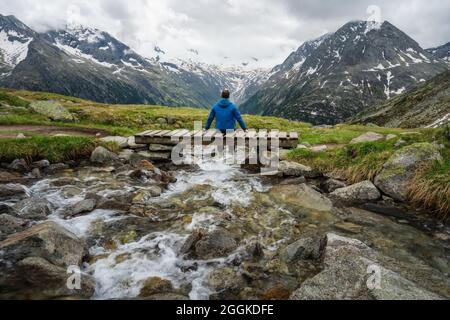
287, 140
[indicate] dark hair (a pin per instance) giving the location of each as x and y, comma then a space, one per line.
226, 94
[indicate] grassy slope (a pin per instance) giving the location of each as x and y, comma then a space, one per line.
357, 162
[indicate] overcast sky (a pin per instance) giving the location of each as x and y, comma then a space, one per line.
232, 31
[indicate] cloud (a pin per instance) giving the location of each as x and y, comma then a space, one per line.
267, 30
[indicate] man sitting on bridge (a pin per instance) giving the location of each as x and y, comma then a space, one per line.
226, 115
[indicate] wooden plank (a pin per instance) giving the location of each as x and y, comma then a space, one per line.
209, 134
172, 133
262, 134
144, 133
273, 134
293, 135
240, 134
282, 135
199, 134
161, 134
180, 134
231, 135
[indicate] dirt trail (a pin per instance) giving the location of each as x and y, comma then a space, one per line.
11, 131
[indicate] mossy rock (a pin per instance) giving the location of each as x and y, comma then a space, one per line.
53, 111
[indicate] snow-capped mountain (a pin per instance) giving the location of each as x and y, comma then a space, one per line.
91, 64
361, 64
15, 38
442, 52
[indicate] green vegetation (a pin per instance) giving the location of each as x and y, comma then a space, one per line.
54, 149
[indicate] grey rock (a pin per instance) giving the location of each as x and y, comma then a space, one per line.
50, 281
306, 248
399, 170
368, 137
293, 169
19, 165
36, 173
349, 267
215, 244
122, 142
53, 110
391, 137
41, 164
159, 148
10, 224
34, 208
302, 196
20, 136
360, 192
102, 155
226, 284
54, 168
83, 206
318, 149
155, 285
11, 190
331, 185
155, 156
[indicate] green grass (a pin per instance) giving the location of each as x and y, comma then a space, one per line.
13, 100
54, 149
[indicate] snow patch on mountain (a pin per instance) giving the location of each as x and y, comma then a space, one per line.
13, 47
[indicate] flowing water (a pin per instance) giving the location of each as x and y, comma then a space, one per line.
129, 248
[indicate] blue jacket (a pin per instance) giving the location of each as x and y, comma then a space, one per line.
226, 115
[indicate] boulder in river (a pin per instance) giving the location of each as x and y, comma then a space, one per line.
10, 224
368, 137
352, 270
226, 284
11, 190
399, 170
215, 244
301, 195
155, 285
331, 185
83, 206
358, 193
102, 155
34, 208
310, 247
48, 241
19, 165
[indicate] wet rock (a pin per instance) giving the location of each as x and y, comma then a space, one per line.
53, 110
50, 281
331, 185
360, 192
54, 168
399, 170
126, 154
348, 227
155, 285
293, 169
10, 225
9, 176
350, 268
83, 206
226, 284
19, 165
154, 191
6, 209
48, 241
36, 173
33, 208
291, 181
189, 245
11, 190
41, 164
307, 248
167, 297
122, 142
102, 155
113, 204
216, 244
368, 137
301, 195
64, 181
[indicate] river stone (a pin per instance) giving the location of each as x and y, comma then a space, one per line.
83, 206
50, 281
368, 137
6, 209
226, 284
102, 155
52, 110
11, 190
19, 165
155, 156
360, 192
301, 195
54, 168
41, 164
348, 227
331, 185
399, 170
348, 275
293, 169
10, 224
34, 208
155, 285
48, 241
159, 148
306, 248
126, 154
122, 142
216, 244
9, 176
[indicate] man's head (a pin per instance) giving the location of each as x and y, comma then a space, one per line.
226, 94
